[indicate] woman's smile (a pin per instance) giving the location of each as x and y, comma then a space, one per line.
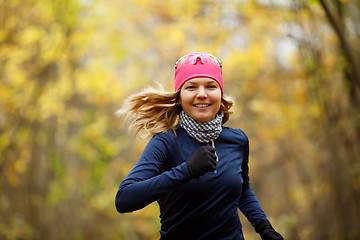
202, 105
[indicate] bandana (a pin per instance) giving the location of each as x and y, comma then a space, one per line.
202, 131
198, 65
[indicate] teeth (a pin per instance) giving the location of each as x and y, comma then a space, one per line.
201, 105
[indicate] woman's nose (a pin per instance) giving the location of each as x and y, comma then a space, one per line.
201, 93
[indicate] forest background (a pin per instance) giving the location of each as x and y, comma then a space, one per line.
66, 66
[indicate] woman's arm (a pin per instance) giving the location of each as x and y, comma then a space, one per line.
250, 206
147, 180
248, 203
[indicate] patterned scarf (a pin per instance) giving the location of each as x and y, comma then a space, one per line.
201, 131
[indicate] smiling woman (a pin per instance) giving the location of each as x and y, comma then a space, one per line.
193, 166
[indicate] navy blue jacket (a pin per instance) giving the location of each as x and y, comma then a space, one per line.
204, 208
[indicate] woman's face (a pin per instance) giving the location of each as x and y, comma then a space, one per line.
200, 98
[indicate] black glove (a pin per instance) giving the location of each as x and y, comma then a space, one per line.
267, 232
202, 161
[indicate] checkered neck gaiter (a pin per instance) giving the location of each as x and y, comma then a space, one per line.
201, 131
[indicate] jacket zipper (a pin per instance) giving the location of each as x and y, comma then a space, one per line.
217, 159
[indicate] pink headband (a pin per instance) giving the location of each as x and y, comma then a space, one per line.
198, 65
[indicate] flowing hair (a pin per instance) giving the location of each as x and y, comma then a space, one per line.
155, 111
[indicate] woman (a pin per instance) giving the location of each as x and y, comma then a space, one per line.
196, 169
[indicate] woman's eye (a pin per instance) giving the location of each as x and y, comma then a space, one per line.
212, 86
190, 87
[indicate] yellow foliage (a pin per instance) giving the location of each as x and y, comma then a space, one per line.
66, 67
12, 177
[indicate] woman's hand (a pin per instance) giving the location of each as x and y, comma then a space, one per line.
267, 232
202, 161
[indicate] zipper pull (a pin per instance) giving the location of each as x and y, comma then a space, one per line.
217, 159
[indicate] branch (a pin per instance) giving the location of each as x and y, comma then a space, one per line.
344, 44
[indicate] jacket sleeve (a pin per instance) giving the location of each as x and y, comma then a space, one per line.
248, 203
147, 180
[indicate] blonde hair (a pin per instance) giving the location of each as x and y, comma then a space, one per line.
155, 111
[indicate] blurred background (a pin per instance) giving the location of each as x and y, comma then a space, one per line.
66, 66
